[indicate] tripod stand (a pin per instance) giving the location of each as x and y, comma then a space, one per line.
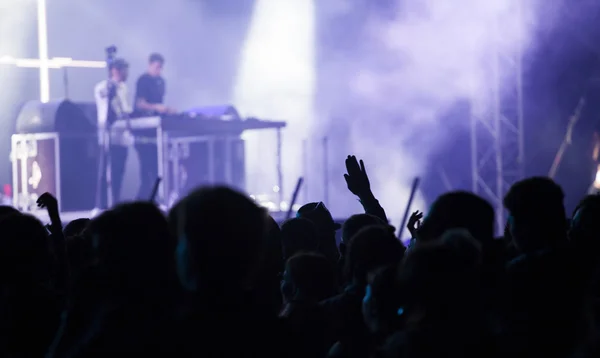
113, 112
104, 170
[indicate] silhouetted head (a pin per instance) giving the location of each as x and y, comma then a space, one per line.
371, 248
353, 225
459, 210
266, 284
7, 210
464, 244
76, 227
80, 253
326, 227
29, 304
382, 300
308, 277
155, 64
437, 277
299, 235
585, 224
537, 217
132, 248
274, 251
319, 215
25, 255
221, 239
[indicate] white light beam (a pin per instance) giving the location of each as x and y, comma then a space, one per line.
43, 51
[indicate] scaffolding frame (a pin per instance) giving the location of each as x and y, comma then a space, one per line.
497, 133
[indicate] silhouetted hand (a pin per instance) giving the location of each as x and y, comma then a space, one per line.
357, 178
414, 222
49, 202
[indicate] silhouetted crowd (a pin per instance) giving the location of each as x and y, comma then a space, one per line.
216, 276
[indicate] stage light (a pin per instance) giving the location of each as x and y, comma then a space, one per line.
43, 51
597, 179
284, 206
276, 80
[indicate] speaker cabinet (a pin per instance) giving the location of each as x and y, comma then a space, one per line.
64, 165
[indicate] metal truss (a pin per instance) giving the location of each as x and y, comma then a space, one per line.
497, 142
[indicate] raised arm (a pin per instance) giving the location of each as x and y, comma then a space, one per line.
359, 185
49, 202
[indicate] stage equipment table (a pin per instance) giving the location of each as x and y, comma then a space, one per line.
171, 134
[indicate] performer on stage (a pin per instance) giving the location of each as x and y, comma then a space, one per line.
150, 89
149, 98
113, 90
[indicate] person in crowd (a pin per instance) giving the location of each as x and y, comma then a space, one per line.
382, 311
467, 211
584, 234
299, 235
267, 282
545, 276
30, 306
352, 226
221, 250
308, 279
440, 302
7, 210
370, 248
326, 227
126, 302
218, 277
537, 219
584, 230
76, 227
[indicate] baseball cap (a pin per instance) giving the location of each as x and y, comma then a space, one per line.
319, 214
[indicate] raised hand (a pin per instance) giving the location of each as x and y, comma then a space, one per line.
414, 222
49, 202
356, 177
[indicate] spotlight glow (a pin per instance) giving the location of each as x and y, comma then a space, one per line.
276, 80
407, 66
43, 51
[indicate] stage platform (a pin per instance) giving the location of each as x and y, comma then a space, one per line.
69, 216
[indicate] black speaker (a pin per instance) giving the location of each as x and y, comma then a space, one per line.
62, 155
